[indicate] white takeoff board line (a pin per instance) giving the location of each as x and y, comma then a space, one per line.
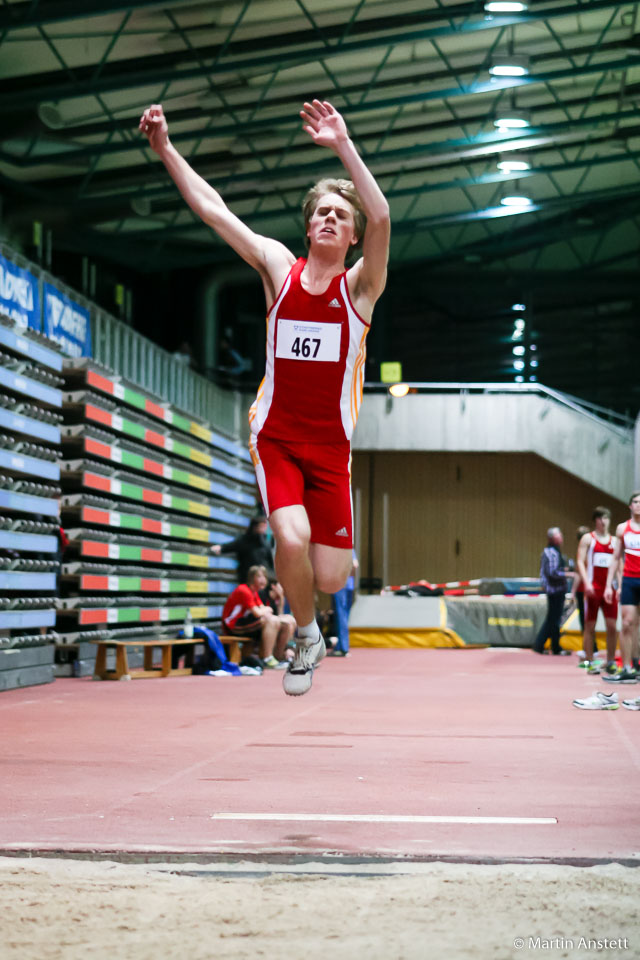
381, 818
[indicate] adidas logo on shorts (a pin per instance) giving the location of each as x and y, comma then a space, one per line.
342, 532
334, 303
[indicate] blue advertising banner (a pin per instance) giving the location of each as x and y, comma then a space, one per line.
19, 297
66, 322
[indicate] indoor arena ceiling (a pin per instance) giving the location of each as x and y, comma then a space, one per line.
413, 81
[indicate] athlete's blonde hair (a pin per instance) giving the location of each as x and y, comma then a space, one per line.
344, 189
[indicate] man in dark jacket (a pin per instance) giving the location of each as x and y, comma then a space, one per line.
554, 584
251, 549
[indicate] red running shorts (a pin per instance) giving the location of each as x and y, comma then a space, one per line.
315, 475
595, 602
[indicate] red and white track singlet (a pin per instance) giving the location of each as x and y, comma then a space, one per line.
631, 540
312, 388
598, 562
239, 604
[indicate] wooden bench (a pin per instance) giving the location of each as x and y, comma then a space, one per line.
164, 669
234, 645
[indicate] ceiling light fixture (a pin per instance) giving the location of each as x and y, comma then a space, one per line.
141, 206
50, 115
509, 65
513, 164
512, 119
505, 6
516, 200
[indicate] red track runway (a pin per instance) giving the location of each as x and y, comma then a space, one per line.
394, 753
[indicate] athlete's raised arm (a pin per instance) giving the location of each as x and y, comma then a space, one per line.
269, 257
327, 128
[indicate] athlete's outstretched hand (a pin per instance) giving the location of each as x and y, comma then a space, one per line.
153, 123
324, 124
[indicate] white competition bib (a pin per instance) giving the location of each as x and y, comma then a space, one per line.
308, 341
602, 559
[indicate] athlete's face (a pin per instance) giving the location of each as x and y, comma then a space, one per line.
635, 506
332, 222
602, 524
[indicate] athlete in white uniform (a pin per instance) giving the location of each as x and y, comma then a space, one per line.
306, 556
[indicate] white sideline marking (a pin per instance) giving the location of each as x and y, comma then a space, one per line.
378, 818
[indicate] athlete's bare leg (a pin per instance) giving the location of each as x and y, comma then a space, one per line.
268, 637
612, 639
588, 639
629, 632
287, 629
290, 526
635, 640
331, 566
303, 567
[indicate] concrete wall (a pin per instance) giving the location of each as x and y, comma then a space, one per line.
591, 449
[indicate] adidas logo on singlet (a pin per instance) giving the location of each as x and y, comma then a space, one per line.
342, 532
334, 303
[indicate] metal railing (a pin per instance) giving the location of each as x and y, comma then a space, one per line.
116, 345
621, 424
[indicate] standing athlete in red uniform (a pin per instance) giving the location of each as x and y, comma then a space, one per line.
628, 545
318, 315
595, 555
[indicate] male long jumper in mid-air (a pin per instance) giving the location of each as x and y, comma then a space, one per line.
318, 316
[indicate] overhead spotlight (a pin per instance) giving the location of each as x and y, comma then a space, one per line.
533, 363
519, 308
399, 389
505, 6
518, 364
50, 115
516, 200
512, 119
518, 351
519, 379
513, 164
509, 65
533, 379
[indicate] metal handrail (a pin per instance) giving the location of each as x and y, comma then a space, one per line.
621, 424
116, 345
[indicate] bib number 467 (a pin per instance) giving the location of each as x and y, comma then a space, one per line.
302, 346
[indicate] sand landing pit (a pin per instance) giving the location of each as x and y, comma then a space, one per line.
67, 909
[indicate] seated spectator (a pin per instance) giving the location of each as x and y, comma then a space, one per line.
245, 615
273, 596
252, 549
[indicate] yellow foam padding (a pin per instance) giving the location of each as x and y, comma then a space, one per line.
572, 639
384, 637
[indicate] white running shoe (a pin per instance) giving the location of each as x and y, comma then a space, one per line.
632, 704
599, 701
297, 679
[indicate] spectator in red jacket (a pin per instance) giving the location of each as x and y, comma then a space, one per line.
245, 615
